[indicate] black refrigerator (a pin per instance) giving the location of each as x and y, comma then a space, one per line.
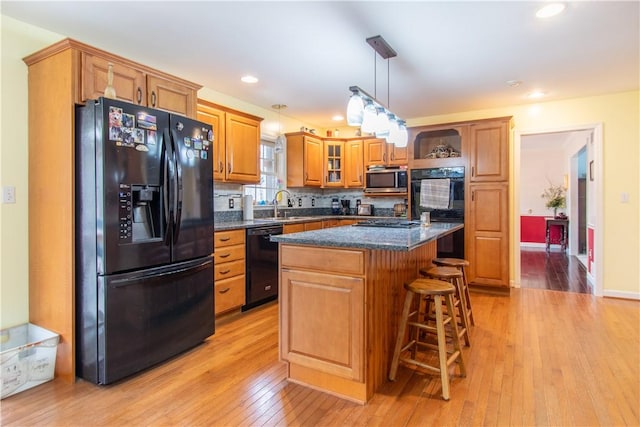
144, 237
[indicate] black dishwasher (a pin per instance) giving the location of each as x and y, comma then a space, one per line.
262, 266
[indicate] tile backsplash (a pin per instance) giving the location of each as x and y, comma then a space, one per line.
305, 201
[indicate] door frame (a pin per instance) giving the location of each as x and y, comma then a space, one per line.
596, 129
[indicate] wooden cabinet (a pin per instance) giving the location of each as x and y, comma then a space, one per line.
322, 326
304, 160
136, 84
354, 163
334, 162
487, 237
489, 151
57, 81
313, 225
236, 143
378, 152
229, 270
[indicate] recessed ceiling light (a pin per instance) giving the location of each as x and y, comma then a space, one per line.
514, 83
249, 79
536, 94
337, 118
551, 9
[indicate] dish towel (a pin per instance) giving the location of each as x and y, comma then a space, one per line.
435, 193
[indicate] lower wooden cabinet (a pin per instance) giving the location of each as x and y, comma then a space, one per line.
229, 270
323, 313
487, 239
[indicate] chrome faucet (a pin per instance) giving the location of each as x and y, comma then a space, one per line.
275, 201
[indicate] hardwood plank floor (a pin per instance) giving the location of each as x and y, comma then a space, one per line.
538, 357
553, 270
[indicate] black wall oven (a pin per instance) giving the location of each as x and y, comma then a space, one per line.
440, 191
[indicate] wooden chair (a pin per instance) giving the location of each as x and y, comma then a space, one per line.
454, 276
442, 293
460, 264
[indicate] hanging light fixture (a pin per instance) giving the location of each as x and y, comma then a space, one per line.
367, 112
280, 139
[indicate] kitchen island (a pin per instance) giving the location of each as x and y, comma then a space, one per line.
341, 293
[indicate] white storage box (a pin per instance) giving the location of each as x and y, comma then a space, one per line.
27, 357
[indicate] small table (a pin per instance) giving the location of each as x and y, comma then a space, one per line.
564, 232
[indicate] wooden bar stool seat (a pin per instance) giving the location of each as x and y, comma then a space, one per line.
460, 264
454, 276
442, 293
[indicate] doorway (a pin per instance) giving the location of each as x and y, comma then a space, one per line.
579, 168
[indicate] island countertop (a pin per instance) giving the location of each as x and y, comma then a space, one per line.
393, 239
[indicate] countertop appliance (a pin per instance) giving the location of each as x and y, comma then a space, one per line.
452, 245
346, 207
365, 209
390, 180
144, 237
262, 266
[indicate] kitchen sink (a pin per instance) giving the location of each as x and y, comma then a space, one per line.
283, 219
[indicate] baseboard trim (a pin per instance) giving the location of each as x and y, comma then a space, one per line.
621, 294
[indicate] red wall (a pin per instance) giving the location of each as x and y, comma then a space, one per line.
533, 229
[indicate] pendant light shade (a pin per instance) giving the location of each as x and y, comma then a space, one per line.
367, 112
281, 140
355, 110
370, 119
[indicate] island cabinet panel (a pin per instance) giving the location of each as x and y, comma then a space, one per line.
331, 306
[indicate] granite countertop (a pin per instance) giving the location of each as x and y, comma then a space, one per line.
394, 239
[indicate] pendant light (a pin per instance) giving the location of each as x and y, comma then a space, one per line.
367, 112
280, 139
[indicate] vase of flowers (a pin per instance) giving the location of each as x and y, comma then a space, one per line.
555, 197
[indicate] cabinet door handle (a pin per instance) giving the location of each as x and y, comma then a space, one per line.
153, 98
139, 96
473, 171
224, 291
229, 167
221, 166
224, 255
384, 157
473, 196
225, 239
225, 271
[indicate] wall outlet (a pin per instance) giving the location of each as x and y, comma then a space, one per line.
230, 203
299, 202
9, 194
313, 202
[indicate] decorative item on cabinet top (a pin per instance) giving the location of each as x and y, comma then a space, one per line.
442, 151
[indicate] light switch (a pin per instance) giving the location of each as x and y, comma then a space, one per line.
8, 194
624, 197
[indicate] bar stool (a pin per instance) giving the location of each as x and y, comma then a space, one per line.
454, 276
441, 292
460, 264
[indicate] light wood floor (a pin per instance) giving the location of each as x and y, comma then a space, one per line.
538, 357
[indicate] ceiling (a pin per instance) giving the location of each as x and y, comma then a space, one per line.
452, 56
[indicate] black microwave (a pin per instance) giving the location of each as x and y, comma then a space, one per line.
386, 181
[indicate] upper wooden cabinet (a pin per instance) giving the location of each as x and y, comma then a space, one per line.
354, 163
378, 152
489, 151
136, 84
236, 143
334, 162
304, 160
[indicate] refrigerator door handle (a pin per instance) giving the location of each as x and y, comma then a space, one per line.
179, 191
168, 185
125, 281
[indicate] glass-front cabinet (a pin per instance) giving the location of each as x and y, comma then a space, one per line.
333, 157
